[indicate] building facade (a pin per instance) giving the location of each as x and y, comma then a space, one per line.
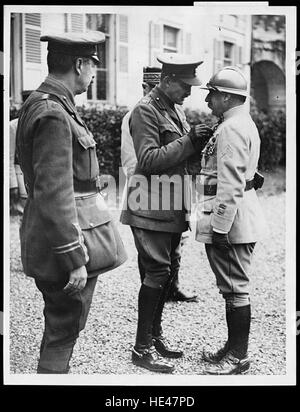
133, 39
268, 62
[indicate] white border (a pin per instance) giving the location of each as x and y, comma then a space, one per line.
174, 380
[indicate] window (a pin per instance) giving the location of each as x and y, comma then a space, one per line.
99, 89
170, 39
32, 38
228, 53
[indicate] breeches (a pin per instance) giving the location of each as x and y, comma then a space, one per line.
65, 316
231, 269
157, 252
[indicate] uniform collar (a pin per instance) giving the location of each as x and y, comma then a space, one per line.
234, 111
55, 86
161, 98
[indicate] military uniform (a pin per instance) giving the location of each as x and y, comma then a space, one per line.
162, 146
158, 213
230, 219
227, 199
57, 155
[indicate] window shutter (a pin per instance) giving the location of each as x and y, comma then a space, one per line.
155, 43
218, 55
77, 22
237, 55
32, 38
32, 71
123, 29
123, 43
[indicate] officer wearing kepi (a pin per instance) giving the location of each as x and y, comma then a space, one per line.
230, 219
64, 216
163, 142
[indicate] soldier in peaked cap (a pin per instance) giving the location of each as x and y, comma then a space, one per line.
151, 78
57, 155
162, 142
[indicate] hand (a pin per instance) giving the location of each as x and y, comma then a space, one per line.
200, 135
221, 241
77, 281
203, 131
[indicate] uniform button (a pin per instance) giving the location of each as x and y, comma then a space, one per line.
64, 97
91, 224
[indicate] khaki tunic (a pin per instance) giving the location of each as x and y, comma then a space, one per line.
162, 146
230, 159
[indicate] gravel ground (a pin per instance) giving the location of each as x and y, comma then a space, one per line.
104, 346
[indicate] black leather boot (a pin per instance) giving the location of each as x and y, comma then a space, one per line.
236, 360
159, 341
41, 370
147, 304
144, 353
156, 328
215, 356
175, 294
239, 320
149, 359
164, 349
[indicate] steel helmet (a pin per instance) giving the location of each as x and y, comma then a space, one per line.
230, 79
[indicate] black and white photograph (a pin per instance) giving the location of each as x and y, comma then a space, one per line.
150, 195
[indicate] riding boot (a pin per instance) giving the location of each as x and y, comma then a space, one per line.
239, 319
147, 304
157, 328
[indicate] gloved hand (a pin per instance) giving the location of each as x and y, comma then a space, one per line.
200, 135
221, 241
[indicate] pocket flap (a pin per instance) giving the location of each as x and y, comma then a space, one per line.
167, 127
92, 213
86, 141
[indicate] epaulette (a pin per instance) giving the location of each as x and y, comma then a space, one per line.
45, 96
146, 99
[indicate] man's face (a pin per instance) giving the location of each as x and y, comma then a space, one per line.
178, 91
88, 72
215, 101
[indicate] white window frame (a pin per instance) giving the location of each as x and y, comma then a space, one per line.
107, 69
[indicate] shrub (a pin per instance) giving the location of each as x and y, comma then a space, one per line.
195, 117
104, 121
272, 131
13, 111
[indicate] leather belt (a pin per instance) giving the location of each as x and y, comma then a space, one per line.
211, 190
80, 187
85, 186
88, 185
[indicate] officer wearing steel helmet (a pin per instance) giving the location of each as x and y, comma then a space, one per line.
229, 216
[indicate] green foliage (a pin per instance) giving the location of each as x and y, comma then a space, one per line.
195, 117
13, 111
272, 132
104, 122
